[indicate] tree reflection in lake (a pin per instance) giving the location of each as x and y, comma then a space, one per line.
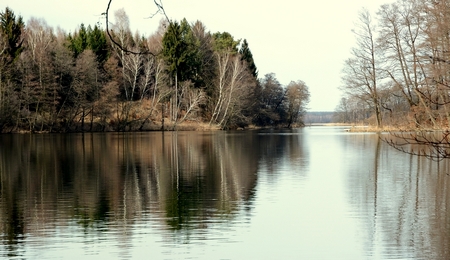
108, 182
403, 200
310, 193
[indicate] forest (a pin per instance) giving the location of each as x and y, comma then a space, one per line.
182, 77
398, 72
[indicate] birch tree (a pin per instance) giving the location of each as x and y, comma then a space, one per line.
232, 78
130, 66
40, 45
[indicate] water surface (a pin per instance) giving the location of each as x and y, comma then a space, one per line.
312, 193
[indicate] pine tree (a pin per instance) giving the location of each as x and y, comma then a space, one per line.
11, 46
180, 50
224, 42
11, 33
96, 40
247, 55
79, 42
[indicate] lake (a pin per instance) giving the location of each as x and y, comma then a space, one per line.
311, 193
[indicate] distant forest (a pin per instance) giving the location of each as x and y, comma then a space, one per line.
398, 73
319, 118
90, 80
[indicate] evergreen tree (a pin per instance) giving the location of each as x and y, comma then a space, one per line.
247, 56
181, 55
11, 46
174, 52
190, 68
224, 42
79, 42
173, 48
97, 43
180, 50
207, 63
11, 33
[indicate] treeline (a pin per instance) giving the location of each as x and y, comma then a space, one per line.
319, 117
398, 73
116, 80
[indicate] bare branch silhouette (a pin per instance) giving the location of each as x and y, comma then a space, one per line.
434, 145
106, 13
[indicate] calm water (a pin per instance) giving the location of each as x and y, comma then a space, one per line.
313, 193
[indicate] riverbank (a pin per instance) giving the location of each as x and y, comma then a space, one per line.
355, 128
385, 129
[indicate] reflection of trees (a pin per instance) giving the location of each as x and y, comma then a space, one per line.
180, 178
402, 200
214, 175
276, 145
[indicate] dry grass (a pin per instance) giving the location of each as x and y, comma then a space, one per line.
195, 126
364, 128
389, 128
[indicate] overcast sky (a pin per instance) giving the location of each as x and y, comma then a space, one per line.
295, 39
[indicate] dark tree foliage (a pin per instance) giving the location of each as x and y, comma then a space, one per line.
70, 82
280, 106
88, 38
206, 61
224, 42
180, 51
79, 41
11, 46
97, 43
190, 68
247, 56
271, 95
11, 29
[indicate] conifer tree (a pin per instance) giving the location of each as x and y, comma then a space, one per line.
11, 46
181, 55
247, 55
79, 42
11, 33
97, 43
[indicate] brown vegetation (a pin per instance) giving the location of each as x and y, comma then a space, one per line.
181, 77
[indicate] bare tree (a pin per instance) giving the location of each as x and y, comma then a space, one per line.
297, 97
402, 40
160, 10
40, 42
361, 72
86, 86
233, 78
436, 30
422, 50
239, 86
191, 99
131, 65
158, 90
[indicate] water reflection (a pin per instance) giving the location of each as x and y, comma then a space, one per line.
313, 193
109, 183
401, 199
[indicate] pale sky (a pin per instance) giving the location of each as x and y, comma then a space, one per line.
295, 39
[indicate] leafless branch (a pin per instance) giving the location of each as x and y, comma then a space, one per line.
106, 13
434, 145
